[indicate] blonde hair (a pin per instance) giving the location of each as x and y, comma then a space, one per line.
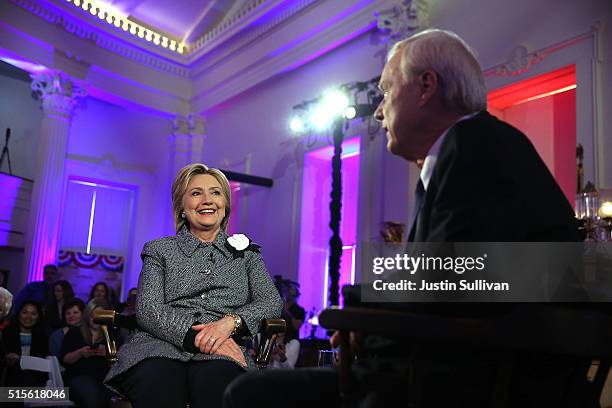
179, 188
88, 312
453, 60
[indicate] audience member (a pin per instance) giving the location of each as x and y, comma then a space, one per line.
129, 306
293, 313
102, 294
72, 313
62, 293
39, 291
25, 336
284, 355
83, 355
6, 302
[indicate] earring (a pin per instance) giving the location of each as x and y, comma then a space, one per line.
182, 215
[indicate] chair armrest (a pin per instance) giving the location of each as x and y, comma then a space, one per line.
268, 330
108, 320
550, 328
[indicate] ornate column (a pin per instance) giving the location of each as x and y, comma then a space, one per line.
59, 95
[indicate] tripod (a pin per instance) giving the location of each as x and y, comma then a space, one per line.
5, 151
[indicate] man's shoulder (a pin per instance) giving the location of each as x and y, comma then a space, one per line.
484, 133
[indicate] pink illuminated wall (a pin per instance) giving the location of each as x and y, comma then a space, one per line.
544, 108
315, 232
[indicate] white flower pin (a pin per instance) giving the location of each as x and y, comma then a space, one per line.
238, 241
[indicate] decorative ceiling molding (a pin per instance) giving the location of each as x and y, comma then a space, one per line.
117, 21
233, 76
403, 19
225, 31
261, 40
522, 60
249, 37
85, 31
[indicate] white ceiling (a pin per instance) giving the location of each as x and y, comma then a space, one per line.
184, 19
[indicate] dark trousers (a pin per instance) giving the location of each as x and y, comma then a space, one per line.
163, 382
300, 388
88, 392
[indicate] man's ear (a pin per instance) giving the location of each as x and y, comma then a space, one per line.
428, 85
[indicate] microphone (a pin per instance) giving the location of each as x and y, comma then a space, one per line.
211, 258
8, 135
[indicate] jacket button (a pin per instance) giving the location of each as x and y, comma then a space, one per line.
203, 296
207, 271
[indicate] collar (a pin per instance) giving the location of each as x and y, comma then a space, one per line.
432, 156
189, 243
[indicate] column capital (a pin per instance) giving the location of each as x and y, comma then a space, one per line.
59, 93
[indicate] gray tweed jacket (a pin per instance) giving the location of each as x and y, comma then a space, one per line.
184, 280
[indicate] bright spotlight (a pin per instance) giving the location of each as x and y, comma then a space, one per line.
335, 101
320, 118
350, 112
297, 125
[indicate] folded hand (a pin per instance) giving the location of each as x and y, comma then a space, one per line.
230, 349
212, 335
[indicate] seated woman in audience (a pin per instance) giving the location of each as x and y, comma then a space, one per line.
102, 294
62, 293
199, 294
129, 307
84, 356
25, 336
284, 355
73, 312
6, 302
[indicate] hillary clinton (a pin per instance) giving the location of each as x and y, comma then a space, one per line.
200, 293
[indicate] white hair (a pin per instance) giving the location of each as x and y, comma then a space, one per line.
6, 298
454, 61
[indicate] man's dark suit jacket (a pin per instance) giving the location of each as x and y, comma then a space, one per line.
490, 185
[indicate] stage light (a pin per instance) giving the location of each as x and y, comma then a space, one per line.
320, 118
350, 112
334, 101
297, 125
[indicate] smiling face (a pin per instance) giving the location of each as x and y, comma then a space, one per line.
204, 204
28, 317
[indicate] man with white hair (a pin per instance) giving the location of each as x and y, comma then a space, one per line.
472, 187
479, 180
